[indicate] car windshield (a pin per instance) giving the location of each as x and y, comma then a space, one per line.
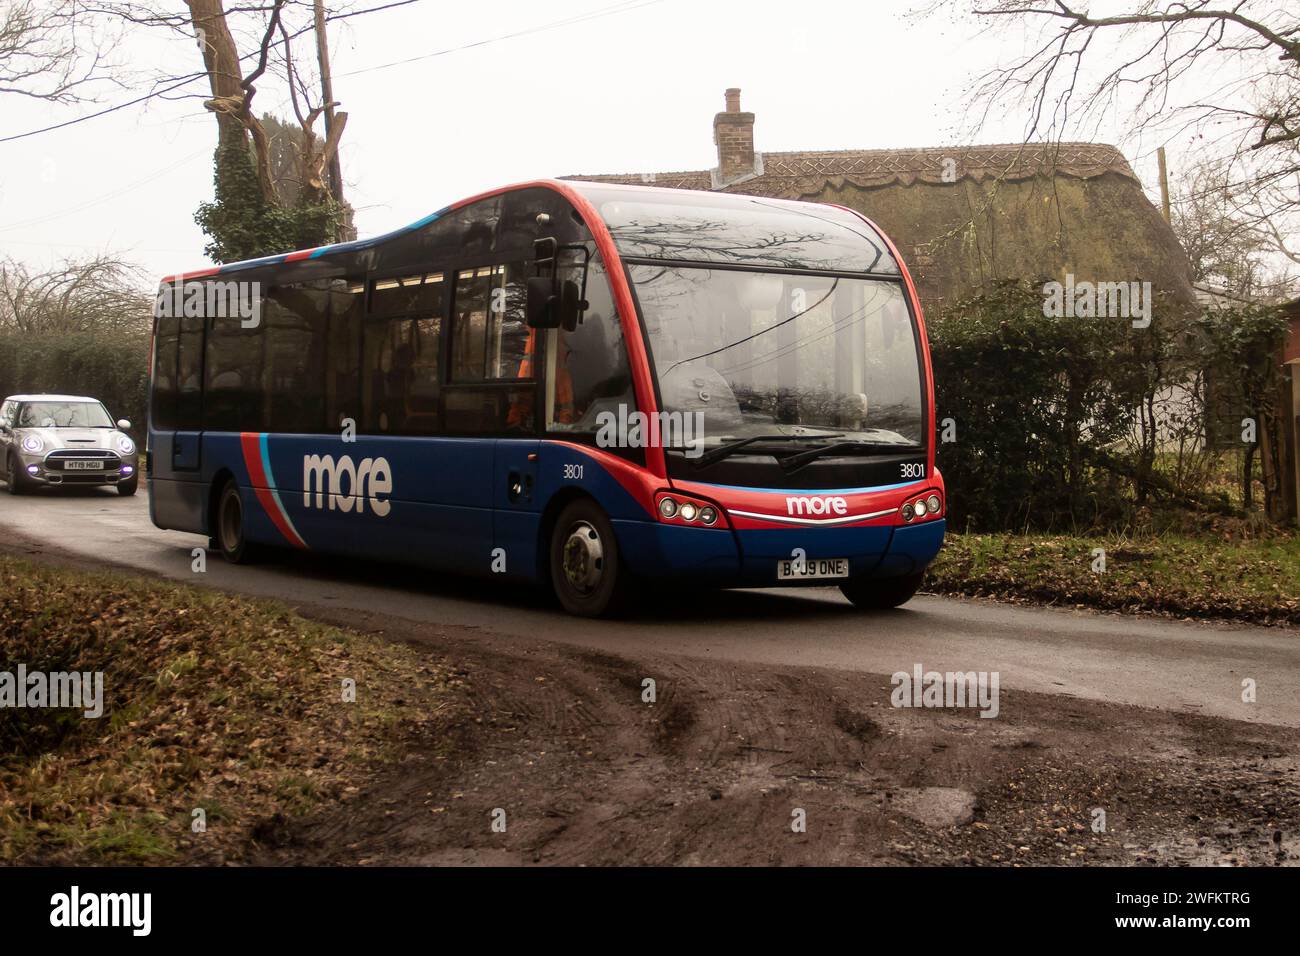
64, 415
763, 354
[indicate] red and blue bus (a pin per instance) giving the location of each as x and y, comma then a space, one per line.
583, 385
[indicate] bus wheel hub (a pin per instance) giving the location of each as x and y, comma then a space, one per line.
584, 557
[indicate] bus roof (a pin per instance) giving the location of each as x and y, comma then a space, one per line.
676, 224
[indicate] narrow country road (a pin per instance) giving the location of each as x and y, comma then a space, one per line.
1193, 667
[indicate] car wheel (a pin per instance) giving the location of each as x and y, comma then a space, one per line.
14, 477
587, 573
229, 535
881, 594
127, 488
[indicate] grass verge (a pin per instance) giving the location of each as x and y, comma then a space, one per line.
211, 702
1252, 579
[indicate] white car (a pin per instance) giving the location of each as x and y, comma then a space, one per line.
65, 440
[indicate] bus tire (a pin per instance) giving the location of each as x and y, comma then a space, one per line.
587, 572
881, 594
229, 527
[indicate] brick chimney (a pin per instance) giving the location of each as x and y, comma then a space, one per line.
733, 132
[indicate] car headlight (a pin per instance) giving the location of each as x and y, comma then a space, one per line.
33, 444
125, 445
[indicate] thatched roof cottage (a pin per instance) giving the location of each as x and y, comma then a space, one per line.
962, 216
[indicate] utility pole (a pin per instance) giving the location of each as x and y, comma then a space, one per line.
335, 173
1164, 184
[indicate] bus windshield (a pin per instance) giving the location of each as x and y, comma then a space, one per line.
764, 354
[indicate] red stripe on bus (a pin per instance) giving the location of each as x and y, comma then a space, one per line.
250, 444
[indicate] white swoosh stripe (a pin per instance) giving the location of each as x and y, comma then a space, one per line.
782, 519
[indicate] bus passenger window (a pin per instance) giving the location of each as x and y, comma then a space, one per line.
490, 337
295, 324
400, 381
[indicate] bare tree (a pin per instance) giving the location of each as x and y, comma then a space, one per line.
1226, 247
1226, 75
97, 294
48, 53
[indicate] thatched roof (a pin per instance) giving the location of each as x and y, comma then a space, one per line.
963, 216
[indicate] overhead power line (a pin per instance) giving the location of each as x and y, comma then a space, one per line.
624, 7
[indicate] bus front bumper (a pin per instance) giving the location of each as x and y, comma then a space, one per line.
749, 558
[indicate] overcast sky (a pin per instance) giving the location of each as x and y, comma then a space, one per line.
633, 90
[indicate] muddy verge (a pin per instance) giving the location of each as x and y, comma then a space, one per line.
569, 762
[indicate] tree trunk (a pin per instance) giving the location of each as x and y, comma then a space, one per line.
230, 101
221, 58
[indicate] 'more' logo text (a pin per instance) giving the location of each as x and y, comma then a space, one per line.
346, 484
805, 505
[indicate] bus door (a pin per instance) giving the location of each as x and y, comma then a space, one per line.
174, 454
515, 506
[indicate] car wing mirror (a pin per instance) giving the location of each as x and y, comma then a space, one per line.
123, 423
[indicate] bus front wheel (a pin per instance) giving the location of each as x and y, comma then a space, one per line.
587, 573
229, 533
881, 594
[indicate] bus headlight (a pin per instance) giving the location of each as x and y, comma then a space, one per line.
920, 508
934, 504
676, 508
908, 512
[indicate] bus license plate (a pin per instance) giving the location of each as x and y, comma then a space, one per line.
83, 465
812, 568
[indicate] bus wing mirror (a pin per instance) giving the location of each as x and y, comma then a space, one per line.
542, 310
571, 305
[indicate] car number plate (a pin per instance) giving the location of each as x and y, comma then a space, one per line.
83, 466
812, 568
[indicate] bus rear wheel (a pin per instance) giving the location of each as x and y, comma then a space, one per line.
228, 536
881, 594
587, 573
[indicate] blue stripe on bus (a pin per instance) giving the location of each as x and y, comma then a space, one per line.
352, 246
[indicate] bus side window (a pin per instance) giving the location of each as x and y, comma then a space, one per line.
343, 352
491, 344
163, 411
189, 384
232, 397
295, 323
400, 371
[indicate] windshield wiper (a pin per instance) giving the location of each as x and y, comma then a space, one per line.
730, 448
794, 462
